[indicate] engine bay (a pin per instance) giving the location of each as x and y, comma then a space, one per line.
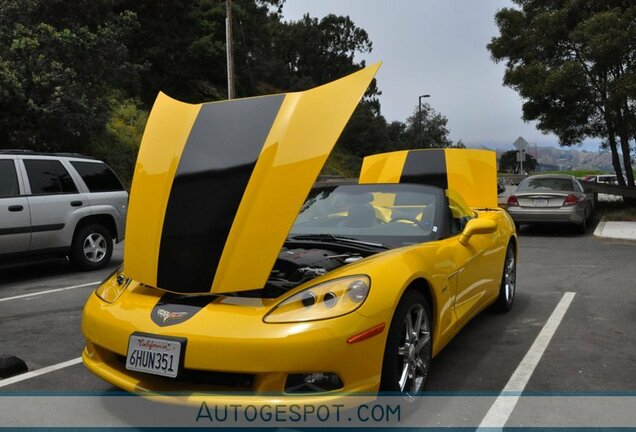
297, 265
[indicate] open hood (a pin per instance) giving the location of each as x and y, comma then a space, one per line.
217, 186
471, 173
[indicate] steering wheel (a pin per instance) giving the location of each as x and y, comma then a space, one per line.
423, 225
343, 222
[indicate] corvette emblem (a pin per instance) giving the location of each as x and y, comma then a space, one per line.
167, 315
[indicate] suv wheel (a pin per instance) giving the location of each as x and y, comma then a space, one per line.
92, 247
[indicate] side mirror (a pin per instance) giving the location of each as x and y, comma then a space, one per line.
477, 226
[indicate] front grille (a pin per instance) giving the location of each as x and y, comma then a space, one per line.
195, 379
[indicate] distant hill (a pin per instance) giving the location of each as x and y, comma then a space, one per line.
563, 158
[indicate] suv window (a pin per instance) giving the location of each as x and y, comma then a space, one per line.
48, 177
98, 177
8, 179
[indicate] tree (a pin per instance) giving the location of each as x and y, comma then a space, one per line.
119, 145
314, 51
183, 45
426, 128
82, 76
58, 65
365, 133
574, 64
508, 162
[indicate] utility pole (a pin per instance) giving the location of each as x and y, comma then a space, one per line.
229, 48
419, 118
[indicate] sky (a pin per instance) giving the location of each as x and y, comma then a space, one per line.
438, 47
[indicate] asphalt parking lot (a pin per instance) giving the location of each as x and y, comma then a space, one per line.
592, 348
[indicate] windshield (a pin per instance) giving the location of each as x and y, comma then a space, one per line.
546, 184
392, 215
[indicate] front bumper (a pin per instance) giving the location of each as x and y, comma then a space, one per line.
230, 349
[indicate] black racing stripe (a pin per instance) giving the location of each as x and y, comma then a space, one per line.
213, 172
173, 309
425, 167
31, 229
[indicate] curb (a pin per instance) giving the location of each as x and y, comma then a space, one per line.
598, 231
616, 230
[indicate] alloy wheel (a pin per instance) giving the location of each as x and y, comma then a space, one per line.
510, 277
95, 247
416, 340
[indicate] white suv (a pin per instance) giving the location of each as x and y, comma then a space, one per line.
59, 204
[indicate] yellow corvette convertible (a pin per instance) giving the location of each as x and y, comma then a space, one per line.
239, 276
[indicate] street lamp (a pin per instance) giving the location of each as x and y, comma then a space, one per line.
419, 115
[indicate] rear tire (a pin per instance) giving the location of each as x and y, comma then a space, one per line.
407, 354
590, 213
508, 282
92, 247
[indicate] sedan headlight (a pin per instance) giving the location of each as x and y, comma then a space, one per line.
113, 286
327, 300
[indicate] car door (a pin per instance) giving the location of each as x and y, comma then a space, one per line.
477, 263
53, 199
15, 220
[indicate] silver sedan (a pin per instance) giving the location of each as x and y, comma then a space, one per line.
551, 198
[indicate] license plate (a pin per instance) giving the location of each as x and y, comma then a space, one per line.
540, 202
154, 355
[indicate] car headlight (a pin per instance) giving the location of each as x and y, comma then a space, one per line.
113, 286
327, 300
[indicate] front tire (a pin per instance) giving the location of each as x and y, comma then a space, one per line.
508, 282
92, 247
408, 350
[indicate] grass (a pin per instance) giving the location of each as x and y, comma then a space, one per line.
575, 173
616, 211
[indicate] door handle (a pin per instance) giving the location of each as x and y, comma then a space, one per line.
76, 203
16, 208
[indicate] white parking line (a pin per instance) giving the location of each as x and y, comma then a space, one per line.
25, 376
500, 411
48, 291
